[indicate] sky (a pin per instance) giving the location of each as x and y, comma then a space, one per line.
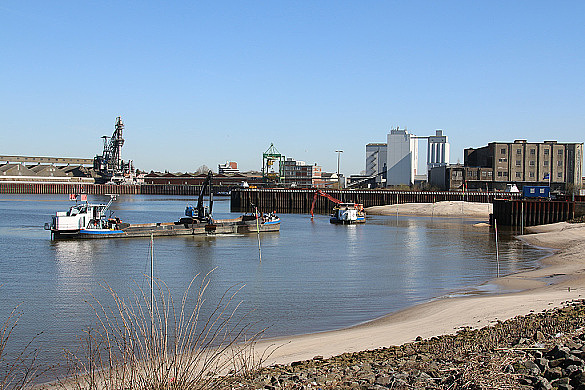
205, 82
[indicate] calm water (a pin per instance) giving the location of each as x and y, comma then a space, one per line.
314, 276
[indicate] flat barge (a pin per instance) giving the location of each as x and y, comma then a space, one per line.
242, 225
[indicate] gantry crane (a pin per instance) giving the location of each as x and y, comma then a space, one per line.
269, 157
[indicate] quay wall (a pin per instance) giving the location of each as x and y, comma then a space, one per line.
528, 212
300, 200
102, 189
512, 211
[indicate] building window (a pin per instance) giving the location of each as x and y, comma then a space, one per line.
545, 162
505, 174
531, 163
546, 152
518, 151
560, 152
560, 163
560, 174
531, 175
518, 163
503, 151
499, 174
518, 174
503, 160
532, 152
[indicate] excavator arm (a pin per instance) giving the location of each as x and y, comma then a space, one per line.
200, 208
321, 193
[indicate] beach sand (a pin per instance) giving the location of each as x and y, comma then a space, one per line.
561, 278
451, 209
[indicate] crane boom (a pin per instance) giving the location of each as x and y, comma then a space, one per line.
200, 208
326, 195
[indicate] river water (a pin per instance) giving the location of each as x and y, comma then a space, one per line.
313, 276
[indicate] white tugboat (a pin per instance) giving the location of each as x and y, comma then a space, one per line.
343, 213
84, 219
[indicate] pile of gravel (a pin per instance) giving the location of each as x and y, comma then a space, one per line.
561, 367
540, 350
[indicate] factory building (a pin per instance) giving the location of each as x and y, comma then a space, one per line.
438, 150
376, 155
46, 173
230, 167
396, 162
301, 174
521, 162
401, 158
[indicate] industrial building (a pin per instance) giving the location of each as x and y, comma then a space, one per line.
230, 167
48, 173
492, 167
301, 174
521, 162
189, 179
396, 162
437, 150
376, 156
402, 158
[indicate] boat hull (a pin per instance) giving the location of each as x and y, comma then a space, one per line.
174, 229
347, 222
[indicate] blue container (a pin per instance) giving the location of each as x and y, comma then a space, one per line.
536, 191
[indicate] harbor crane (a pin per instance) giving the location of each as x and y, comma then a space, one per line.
269, 157
110, 165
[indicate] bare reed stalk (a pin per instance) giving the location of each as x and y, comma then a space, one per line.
19, 371
138, 344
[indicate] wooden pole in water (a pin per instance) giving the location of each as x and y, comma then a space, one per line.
522, 218
152, 284
497, 250
258, 230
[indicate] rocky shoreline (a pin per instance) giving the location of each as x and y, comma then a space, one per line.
536, 351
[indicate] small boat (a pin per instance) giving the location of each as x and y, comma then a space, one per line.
344, 212
348, 213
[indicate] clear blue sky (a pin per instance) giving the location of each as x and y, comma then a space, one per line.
206, 82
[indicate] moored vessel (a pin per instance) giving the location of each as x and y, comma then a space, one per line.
344, 212
348, 213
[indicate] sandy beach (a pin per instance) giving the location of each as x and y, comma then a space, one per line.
560, 279
450, 209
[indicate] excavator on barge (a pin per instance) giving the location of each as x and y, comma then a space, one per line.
343, 213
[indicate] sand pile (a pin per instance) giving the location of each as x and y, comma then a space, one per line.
438, 209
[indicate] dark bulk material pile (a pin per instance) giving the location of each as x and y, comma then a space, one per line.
540, 351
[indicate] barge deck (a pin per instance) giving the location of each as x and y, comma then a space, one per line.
243, 225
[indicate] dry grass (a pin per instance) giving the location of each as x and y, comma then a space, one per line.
139, 344
20, 370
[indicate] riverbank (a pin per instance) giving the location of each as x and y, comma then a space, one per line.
438, 209
537, 351
446, 341
560, 279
